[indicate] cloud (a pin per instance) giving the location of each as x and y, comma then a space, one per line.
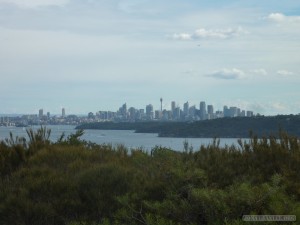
228, 74
276, 17
182, 36
278, 107
261, 72
34, 3
284, 73
203, 33
280, 18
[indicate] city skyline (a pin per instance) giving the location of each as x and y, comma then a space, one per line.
185, 107
80, 55
176, 113
160, 106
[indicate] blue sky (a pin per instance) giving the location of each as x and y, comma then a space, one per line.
90, 55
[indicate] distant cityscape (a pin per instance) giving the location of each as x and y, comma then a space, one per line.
131, 114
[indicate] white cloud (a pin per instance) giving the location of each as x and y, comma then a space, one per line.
280, 18
261, 72
228, 74
277, 17
34, 3
284, 73
182, 36
203, 33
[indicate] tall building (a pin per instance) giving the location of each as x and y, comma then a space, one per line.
202, 110
210, 111
249, 113
186, 109
243, 113
124, 109
142, 113
149, 111
219, 114
176, 113
192, 111
226, 111
63, 113
233, 111
158, 114
173, 106
132, 113
41, 113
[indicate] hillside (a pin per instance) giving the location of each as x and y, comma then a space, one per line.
239, 127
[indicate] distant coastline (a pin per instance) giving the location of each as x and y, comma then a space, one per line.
239, 127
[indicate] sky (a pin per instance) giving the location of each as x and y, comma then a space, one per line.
91, 55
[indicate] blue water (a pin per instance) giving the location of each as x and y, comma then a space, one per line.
117, 137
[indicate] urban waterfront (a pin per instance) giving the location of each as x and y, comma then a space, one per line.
175, 113
128, 138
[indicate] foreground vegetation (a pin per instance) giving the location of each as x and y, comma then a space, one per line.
72, 182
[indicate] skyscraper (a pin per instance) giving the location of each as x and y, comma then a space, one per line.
149, 112
210, 111
202, 110
63, 113
226, 111
186, 109
41, 113
173, 106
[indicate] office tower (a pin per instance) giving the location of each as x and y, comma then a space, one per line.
243, 113
91, 115
142, 112
233, 111
210, 111
202, 110
173, 106
176, 113
149, 112
167, 114
238, 112
186, 109
41, 113
226, 111
132, 113
249, 113
192, 111
157, 114
219, 114
63, 113
124, 109
48, 115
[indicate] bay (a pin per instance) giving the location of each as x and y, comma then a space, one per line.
128, 138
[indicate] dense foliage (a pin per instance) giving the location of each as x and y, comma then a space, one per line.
72, 182
237, 127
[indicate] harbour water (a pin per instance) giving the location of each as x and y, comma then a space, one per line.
130, 139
